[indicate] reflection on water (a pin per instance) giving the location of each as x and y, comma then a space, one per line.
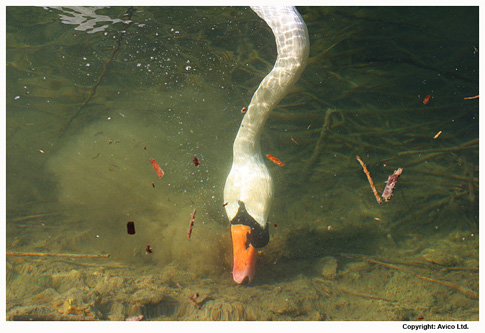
89, 104
86, 18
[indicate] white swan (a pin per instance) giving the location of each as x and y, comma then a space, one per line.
249, 188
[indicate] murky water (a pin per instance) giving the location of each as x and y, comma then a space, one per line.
94, 93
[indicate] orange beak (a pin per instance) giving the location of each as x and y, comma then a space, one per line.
244, 254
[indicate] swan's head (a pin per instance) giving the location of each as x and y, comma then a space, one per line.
248, 193
244, 254
247, 236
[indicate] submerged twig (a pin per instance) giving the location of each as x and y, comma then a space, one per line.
469, 172
329, 292
449, 175
35, 216
366, 295
320, 144
191, 224
378, 198
468, 145
30, 254
193, 298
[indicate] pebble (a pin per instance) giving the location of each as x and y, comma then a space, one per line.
329, 267
135, 318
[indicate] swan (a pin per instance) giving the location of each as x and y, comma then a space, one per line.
248, 191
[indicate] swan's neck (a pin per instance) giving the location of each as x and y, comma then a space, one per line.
249, 181
291, 60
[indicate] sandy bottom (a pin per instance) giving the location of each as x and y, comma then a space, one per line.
340, 287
